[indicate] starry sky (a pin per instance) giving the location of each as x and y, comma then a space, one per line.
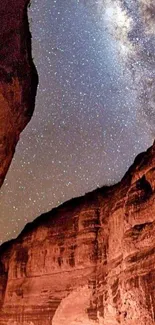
95, 106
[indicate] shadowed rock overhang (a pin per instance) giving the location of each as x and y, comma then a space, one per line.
18, 78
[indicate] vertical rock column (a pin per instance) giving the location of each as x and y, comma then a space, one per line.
18, 78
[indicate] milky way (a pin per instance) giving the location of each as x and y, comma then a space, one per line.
95, 107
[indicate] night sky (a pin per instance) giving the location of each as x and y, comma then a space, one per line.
95, 106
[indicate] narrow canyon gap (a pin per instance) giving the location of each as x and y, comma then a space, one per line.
94, 109
91, 260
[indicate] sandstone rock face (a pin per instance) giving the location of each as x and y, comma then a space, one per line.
18, 78
89, 261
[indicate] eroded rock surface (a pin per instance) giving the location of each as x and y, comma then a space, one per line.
18, 78
89, 261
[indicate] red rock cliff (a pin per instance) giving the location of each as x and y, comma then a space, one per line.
89, 261
18, 78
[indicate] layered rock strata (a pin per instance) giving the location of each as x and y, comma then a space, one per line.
89, 261
18, 78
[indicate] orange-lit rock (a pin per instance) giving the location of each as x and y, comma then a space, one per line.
18, 78
89, 261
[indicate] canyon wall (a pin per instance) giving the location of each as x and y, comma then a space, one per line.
18, 78
89, 261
